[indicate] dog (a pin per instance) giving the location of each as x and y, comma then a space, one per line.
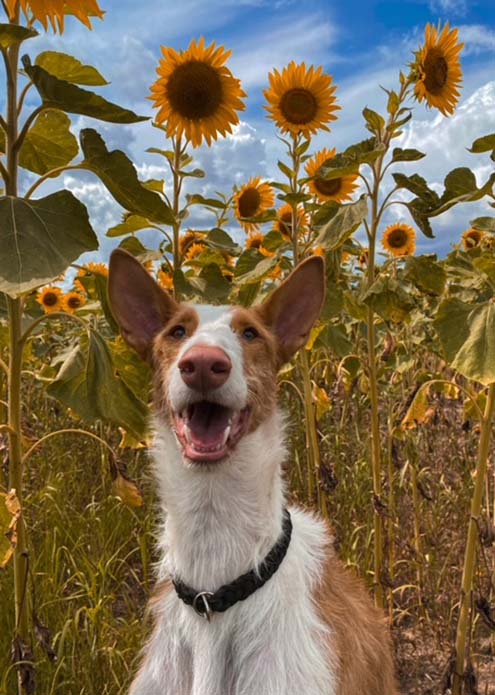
251, 598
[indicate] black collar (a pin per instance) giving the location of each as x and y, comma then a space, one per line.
206, 602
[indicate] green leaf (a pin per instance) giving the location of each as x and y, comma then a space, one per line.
118, 174
393, 102
483, 144
285, 170
485, 224
420, 211
374, 122
407, 155
60, 94
197, 199
49, 143
212, 284
194, 173
467, 335
68, 68
40, 238
417, 185
335, 338
348, 162
131, 223
486, 264
426, 274
388, 299
101, 286
88, 384
346, 220
14, 34
219, 239
258, 272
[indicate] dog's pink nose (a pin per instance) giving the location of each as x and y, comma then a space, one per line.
204, 367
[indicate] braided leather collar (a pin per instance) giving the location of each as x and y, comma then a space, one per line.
206, 602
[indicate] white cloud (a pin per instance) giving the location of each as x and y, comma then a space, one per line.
452, 7
477, 39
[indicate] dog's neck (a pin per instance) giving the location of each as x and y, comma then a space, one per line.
221, 521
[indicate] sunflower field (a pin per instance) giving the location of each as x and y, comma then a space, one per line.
391, 404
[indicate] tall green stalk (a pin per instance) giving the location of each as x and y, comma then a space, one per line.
312, 446
472, 538
15, 307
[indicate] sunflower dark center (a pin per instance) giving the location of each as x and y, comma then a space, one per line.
74, 302
398, 238
328, 186
249, 202
50, 299
195, 90
436, 71
299, 106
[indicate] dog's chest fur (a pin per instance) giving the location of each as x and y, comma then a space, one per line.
275, 642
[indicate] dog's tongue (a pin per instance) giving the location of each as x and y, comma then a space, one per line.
207, 423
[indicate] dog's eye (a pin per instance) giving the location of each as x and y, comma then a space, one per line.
178, 332
250, 333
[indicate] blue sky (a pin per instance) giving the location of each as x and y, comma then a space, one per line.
362, 44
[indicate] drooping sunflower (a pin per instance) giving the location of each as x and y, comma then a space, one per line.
319, 251
72, 301
339, 190
438, 69
166, 280
472, 238
255, 241
251, 200
283, 223
51, 299
399, 239
363, 258
301, 100
197, 96
54, 11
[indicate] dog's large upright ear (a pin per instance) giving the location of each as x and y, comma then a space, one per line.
139, 305
292, 309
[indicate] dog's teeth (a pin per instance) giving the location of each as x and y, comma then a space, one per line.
225, 435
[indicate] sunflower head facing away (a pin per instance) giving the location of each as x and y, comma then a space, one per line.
399, 240
283, 223
54, 11
437, 69
197, 96
301, 100
51, 299
252, 200
339, 190
472, 238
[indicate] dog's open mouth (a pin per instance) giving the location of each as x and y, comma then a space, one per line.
209, 431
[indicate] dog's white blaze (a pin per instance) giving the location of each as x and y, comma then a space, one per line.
214, 329
219, 523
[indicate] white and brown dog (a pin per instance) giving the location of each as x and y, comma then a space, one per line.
283, 615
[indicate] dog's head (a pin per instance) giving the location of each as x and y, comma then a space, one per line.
215, 367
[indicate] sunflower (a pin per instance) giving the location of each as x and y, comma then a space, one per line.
301, 100
472, 238
255, 241
339, 189
437, 69
197, 96
399, 239
363, 258
319, 251
189, 238
276, 273
51, 299
283, 223
194, 251
252, 199
165, 280
72, 301
54, 11
94, 269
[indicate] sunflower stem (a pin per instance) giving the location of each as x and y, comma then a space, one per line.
15, 311
472, 537
177, 185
